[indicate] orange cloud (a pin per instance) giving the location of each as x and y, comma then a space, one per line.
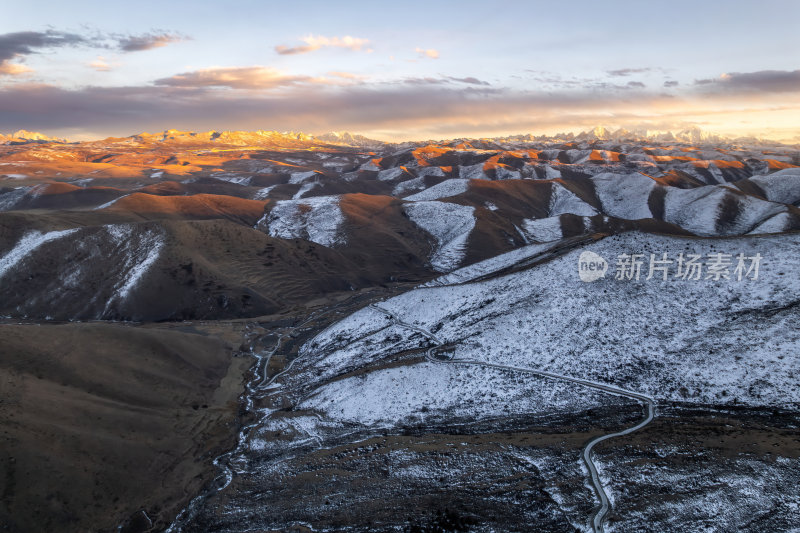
100, 64
397, 111
252, 78
429, 52
13, 69
235, 78
313, 43
347, 75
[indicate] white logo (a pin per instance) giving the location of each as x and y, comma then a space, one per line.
591, 266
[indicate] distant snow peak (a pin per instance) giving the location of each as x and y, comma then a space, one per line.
233, 138
692, 134
24, 136
345, 138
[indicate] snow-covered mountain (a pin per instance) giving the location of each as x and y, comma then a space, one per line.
267, 138
348, 139
428, 208
24, 136
485, 373
503, 334
689, 135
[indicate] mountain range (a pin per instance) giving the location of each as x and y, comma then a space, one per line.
341, 330
427, 208
24, 136
342, 138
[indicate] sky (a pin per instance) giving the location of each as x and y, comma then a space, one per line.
400, 70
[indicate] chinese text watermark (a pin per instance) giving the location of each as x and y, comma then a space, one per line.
683, 266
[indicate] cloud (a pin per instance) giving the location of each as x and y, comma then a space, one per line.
236, 78
428, 80
765, 81
13, 69
13, 45
442, 80
190, 101
469, 80
20, 44
316, 42
555, 81
436, 107
628, 71
100, 64
670, 83
347, 75
147, 41
430, 52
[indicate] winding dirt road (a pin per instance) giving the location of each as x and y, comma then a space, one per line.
599, 517
226, 463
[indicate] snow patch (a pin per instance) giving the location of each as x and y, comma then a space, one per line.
504, 173
11, 198
27, 244
304, 189
450, 224
238, 180
707, 341
624, 195
551, 173
369, 165
543, 229
109, 204
299, 177
782, 186
430, 171
138, 254
698, 210
472, 172
317, 219
776, 224
390, 174
432, 391
261, 194
444, 189
407, 186
491, 265
562, 201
